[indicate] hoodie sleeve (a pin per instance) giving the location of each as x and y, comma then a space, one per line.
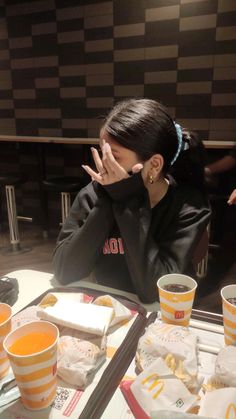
83, 234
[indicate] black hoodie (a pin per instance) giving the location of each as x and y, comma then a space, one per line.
113, 232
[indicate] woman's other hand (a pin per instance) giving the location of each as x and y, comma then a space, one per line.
232, 198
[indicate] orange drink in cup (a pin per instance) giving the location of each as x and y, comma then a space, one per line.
5, 328
32, 351
228, 295
176, 294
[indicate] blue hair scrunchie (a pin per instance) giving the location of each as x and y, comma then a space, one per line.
180, 143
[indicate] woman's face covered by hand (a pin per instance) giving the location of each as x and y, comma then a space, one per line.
125, 157
113, 163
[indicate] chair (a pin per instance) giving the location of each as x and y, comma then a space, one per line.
10, 182
200, 257
219, 205
65, 185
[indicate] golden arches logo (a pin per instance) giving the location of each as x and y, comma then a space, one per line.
156, 383
231, 411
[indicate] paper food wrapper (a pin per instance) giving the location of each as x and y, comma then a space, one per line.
177, 346
225, 370
219, 404
85, 317
213, 383
167, 414
51, 298
25, 316
157, 388
78, 359
120, 312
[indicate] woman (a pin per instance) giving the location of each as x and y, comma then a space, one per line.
135, 222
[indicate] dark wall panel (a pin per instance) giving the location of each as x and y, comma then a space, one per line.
93, 52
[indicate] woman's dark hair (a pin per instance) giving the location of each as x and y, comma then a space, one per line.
145, 127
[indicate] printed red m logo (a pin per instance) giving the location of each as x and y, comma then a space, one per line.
179, 314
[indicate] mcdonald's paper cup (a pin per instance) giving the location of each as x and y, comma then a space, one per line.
35, 370
229, 314
5, 328
176, 307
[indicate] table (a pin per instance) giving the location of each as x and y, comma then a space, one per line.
53, 140
210, 144
33, 283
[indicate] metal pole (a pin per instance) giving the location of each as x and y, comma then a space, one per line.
65, 205
12, 216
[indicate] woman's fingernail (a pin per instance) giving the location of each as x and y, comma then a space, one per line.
137, 168
106, 147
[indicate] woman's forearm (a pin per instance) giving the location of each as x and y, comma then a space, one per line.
75, 256
222, 165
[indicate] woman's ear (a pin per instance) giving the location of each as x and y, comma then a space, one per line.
157, 163
152, 169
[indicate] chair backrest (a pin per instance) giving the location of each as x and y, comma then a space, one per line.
200, 257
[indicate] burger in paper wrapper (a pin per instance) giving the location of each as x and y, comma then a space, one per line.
225, 370
79, 359
177, 346
157, 388
219, 404
120, 312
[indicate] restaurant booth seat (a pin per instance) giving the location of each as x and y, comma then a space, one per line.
10, 182
65, 185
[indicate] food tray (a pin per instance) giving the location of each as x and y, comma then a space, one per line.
90, 403
209, 328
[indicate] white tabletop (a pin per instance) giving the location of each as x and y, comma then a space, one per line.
33, 283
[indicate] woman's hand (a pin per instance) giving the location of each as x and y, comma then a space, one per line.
109, 170
232, 198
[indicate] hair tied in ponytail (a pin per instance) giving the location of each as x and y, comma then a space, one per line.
186, 142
